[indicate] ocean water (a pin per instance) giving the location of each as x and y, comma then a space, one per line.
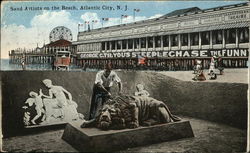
6, 66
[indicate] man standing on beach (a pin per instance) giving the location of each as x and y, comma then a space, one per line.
220, 66
23, 63
101, 90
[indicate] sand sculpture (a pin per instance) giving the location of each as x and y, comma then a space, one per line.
58, 106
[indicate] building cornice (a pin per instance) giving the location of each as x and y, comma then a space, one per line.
203, 18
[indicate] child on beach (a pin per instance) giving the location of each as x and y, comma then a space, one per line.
37, 100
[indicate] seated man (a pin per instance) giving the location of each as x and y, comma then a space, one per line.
197, 66
199, 76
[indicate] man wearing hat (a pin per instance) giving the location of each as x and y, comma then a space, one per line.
101, 90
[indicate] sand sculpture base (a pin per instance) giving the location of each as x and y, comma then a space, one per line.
96, 140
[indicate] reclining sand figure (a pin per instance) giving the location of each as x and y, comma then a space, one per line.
131, 112
56, 103
57, 93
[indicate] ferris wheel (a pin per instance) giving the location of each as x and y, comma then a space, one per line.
60, 32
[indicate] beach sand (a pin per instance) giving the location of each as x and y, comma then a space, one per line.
209, 136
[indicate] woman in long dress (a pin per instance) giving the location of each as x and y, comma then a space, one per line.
212, 65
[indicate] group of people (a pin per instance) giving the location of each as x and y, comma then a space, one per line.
199, 75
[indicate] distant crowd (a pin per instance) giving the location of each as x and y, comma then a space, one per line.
198, 70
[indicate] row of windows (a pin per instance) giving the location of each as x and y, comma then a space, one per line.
89, 47
52, 50
173, 40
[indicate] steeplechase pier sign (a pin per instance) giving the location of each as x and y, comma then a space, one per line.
177, 53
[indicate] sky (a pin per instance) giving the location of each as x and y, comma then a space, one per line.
27, 28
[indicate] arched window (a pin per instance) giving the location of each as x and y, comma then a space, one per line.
243, 35
119, 44
184, 39
194, 38
217, 37
130, 43
108, 45
143, 42
150, 42
165, 41
136, 43
113, 45
124, 44
205, 38
157, 41
174, 40
230, 36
